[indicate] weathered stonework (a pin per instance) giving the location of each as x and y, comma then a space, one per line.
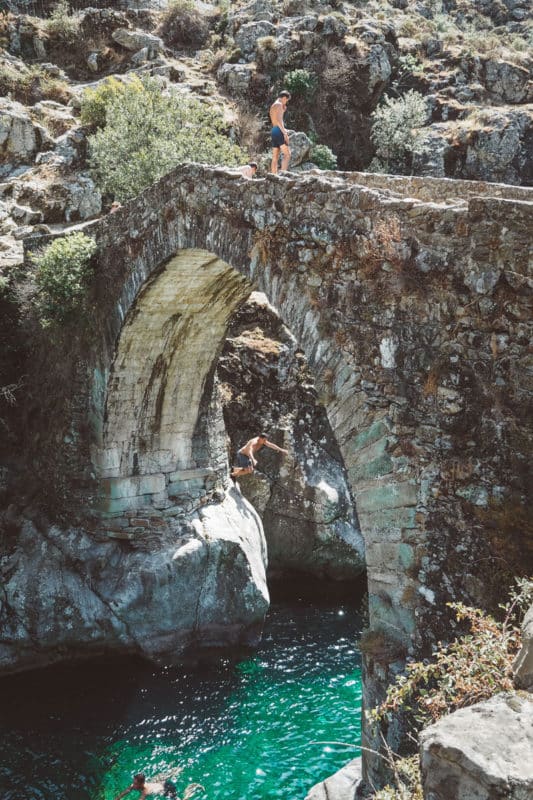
410, 303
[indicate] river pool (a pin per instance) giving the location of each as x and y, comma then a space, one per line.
246, 728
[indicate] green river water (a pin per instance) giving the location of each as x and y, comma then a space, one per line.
245, 729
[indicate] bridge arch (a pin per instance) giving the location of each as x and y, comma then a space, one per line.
368, 273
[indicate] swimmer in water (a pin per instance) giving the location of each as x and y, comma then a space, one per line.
157, 788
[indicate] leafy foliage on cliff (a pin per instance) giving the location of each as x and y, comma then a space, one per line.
63, 270
395, 132
95, 102
468, 670
147, 134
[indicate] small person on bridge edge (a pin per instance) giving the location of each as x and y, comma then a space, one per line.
280, 137
246, 460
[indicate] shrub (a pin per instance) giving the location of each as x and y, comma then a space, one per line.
32, 85
147, 134
95, 101
182, 25
62, 23
472, 668
300, 82
323, 157
406, 780
395, 131
63, 269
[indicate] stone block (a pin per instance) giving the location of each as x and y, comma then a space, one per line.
376, 468
342, 785
388, 495
111, 505
377, 430
136, 485
191, 487
190, 474
480, 753
382, 553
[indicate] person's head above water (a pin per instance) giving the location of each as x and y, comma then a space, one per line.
284, 93
138, 780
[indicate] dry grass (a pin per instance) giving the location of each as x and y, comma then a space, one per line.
32, 85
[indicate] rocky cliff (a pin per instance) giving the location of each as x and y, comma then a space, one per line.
304, 499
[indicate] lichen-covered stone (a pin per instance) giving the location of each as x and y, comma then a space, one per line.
189, 583
480, 753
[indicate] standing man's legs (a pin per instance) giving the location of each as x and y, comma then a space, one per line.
275, 160
285, 156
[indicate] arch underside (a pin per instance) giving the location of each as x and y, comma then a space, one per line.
165, 355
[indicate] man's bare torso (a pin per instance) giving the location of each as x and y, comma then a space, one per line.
251, 446
276, 113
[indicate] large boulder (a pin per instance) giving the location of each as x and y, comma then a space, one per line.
247, 36
523, 666
507, 83
237, 77
70, 594
480, 753
137, 40
300, 145
20, 137
60, 198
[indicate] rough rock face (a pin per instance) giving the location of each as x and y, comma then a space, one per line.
59, 197
343, 785
20, 137
480, 753
302, 498
199, 582
523, 666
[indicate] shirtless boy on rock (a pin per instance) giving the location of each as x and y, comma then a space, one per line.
246, 460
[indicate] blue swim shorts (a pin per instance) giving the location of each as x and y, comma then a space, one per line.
277, 136
243, 461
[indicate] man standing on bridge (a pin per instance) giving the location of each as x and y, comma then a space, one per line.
246, 460
280, 137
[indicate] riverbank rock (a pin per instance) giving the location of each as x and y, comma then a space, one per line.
69, 594
480, 753
346, 784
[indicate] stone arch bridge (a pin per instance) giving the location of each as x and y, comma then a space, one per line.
409, 299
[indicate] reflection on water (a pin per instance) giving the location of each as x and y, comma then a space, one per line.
245, 729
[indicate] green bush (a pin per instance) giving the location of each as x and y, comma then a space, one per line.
323, 157
300, 82
95, 101
147, 134
63, 270
395, 132
62, 23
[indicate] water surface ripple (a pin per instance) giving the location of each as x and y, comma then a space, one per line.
244, 729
